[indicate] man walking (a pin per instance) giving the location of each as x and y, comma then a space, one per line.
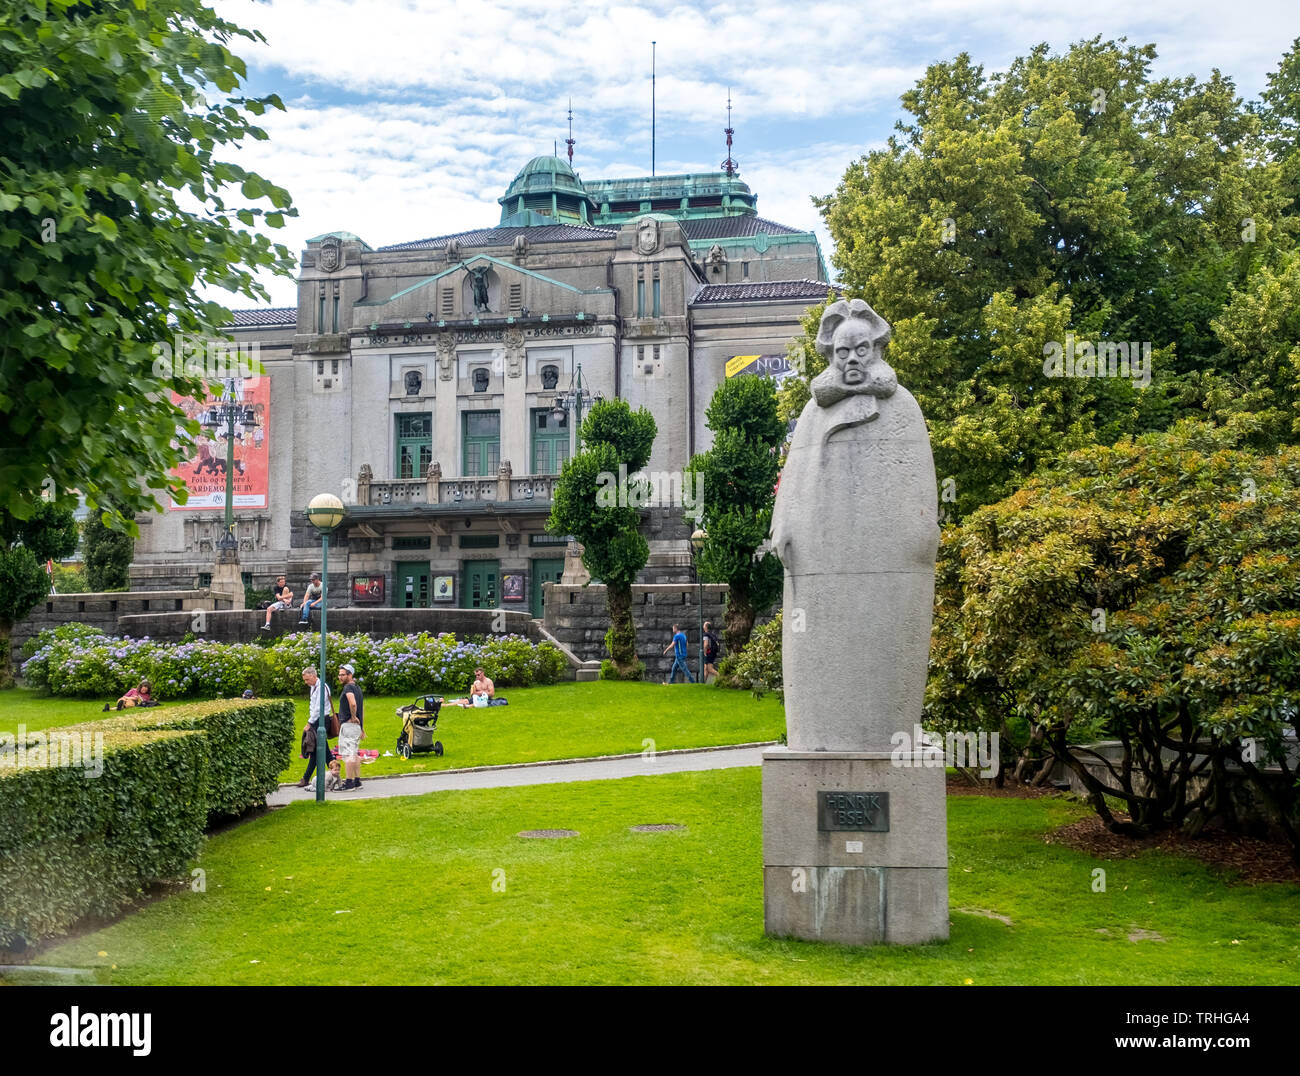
350, 727
316, 687
679, 648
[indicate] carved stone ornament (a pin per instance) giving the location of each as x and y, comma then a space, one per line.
453, 250
647, 235
330, 258
446, 355
715, 260
514, 341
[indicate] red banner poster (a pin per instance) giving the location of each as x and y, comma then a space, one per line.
204, 472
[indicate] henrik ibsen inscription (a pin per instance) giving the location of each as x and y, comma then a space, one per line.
863, 812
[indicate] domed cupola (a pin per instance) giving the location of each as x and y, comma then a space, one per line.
546, 191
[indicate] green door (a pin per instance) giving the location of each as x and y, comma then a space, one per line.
412, 585
482, 585
545, 571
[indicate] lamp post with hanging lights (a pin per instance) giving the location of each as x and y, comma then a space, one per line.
573, 400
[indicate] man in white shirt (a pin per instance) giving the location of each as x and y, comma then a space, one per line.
316, 687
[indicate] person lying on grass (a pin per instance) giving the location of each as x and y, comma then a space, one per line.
137, 696
480, 692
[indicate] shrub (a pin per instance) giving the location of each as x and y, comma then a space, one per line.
758, 666
76, 844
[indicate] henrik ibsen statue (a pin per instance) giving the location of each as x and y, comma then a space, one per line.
855, 525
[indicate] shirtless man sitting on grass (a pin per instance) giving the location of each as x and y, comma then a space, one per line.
482, 688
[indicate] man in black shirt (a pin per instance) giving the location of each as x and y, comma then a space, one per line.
351, 730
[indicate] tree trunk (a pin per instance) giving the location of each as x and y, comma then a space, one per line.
621, 637
738, 619
6, 668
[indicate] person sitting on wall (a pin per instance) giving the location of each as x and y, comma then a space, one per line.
311, 598
283, 600
480, 692
137, 696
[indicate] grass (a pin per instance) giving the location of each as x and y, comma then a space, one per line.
557, 721
439, 889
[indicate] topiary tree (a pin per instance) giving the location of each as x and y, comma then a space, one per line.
1147, 593
108, 555
617, 442
735, 485
25, 546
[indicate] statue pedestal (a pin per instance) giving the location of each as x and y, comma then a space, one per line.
227, 579
855, 848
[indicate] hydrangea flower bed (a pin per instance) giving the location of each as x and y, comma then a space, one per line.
77, 660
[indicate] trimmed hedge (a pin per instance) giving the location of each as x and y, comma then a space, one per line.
74, 844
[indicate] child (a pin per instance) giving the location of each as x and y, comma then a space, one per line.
137, 696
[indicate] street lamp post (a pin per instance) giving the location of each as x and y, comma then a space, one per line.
697, 547
325, 513
572, 401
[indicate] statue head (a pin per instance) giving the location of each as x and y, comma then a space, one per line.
852, 338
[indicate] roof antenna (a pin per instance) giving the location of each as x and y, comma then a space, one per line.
652, 107
729, 166
569, 141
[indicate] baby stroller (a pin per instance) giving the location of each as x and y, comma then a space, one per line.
419, 719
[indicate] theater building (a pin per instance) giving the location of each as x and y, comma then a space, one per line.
435, 385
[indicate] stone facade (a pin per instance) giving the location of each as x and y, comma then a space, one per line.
434, 385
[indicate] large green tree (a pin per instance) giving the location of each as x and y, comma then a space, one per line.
734, 485
1070, 194
116, 209
597, 500
48, 533
108, 555
1146, 593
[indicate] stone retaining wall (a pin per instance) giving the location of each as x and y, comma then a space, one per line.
102, 610
578, 617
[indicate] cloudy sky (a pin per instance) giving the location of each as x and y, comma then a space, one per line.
408, 118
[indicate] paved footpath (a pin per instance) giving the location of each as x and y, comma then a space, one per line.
536, 773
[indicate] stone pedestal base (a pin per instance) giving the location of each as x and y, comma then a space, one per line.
228, 580
863, 886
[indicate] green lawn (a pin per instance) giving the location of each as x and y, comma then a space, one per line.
402, 891
567, 720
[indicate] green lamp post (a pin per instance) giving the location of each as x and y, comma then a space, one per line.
325, 513
697, 547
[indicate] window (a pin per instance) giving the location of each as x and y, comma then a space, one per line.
656, 352
336, 313
656, 295
480, 541
320, 316
548, 539
482, 443
550, 441
550, 377
205, 580
320, 368
334, 366
414, 445
640, 298
480, 377
411, 541
744, 270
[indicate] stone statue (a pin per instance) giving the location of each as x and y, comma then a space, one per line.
856, 525
478, 276
855, 840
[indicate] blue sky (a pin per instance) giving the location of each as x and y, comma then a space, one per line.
409, 119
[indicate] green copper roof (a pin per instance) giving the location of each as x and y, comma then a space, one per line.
347, 237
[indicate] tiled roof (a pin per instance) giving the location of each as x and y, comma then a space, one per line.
273, 315
733, 228
758, 291
496, 237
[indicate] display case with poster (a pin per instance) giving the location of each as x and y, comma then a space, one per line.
444, 588
512, 587
367, 590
